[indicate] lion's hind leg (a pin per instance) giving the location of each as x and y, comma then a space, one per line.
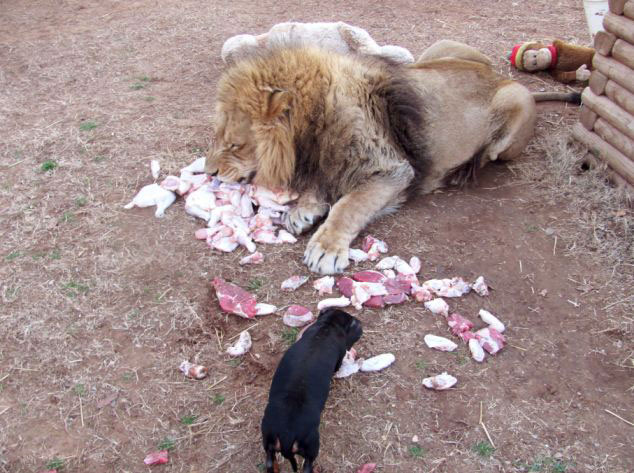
327, 250
513, 122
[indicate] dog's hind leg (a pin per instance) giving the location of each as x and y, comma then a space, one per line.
271, 461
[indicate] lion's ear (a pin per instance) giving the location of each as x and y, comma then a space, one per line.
275, 103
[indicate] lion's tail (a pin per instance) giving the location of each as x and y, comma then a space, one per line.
571, 97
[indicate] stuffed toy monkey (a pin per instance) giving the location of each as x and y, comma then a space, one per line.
566, 62
339, 37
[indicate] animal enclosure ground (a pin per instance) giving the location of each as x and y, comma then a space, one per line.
100, 305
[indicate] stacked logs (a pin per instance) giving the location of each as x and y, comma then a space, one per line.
607, 119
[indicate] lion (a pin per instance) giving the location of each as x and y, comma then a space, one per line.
356, 136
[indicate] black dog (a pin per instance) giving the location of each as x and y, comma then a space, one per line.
300, 388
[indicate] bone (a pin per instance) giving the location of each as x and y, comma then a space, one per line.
155, 169
491, 320
377, 363
440, 382
439, 343
477, 353
333, 302
293, 283
242, 346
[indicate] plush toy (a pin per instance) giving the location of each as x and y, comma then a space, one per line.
339, 37
566, 62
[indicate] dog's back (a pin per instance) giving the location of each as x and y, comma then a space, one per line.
300, 387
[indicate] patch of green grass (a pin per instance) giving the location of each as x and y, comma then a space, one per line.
81, 201
234, 362
167, 444
54, 255
134, 313
144, 78
255, 284
548, 465
55, 464
67, 217
416, 451
149, 98
128, 376
79, 389
421, 365
188, 420
87, 125
1, 387
48, 165
72, 289
11, 292
290, 335
218, 399
531, 228
13, 255
261, 467
137, 86
484, 449
99, 158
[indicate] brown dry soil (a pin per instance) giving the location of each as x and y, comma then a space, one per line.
100, 305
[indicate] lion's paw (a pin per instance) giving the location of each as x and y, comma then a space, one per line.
298, 220
326, 258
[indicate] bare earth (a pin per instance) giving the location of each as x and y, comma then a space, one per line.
100, 305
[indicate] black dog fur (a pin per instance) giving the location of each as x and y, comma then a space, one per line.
300, 388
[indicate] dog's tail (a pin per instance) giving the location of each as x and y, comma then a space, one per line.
571, 97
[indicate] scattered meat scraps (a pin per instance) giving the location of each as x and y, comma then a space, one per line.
477, 353
369, 276
480, 287
414, 263
440, 382
156, 458
264, 309
324, 285
345, 286
491, 320
458, 324
242, 346
437, 306
253, 258
234, 299
377, 363
439, 343
293, 283
454, 287
373, 247
193, 371
151, 195
356, 255
490, 339
155, 169
297, 316
333, 302
387, 263
349, 365
367, 468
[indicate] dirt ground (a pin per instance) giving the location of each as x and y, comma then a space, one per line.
100, 305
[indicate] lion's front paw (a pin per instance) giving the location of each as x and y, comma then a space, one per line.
299, 219
326, 258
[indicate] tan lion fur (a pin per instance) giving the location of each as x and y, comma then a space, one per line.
356, 135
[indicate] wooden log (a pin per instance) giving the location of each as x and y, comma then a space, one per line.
617, 161
587, 118
614, 137
598, 81
622, 97
628, 10
603, 42
624, 52
605, 108
620, 26
616, 71
616, 6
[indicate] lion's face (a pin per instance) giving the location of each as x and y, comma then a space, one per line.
233, 158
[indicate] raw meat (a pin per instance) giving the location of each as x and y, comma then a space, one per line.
467, 336
454, 287
345, 285
264, 309
421, 293
402, 267
242, 346
333, 302
193, 371
198, 166
356, 255
477, 353
367, 468
324, 285
414, 263
373, 246
439, 343
458, 324
395, 298
377, 363
387, 263
150, 195
349, 365
176, 184
389, 274
369, 276
491, 320
480, 287
490, 339
234, 299
292, 283
363, 291
155, 169
437, 306
156, 458
374, 302
297, 316
253, 258
440, 382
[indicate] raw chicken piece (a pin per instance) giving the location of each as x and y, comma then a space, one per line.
297, 316
242, 346
397, 285
293, 283
226, 244
245, 240
234, 299
414, 263
150, 195
367, 468
454, 287
395, 298
246, 206
324, 285
421, 293
377, 363
437, 306
491, 320
356, 255
155, 169
345, 286
389, 274
264, 309
375, 302
157, 458
254, 258
467, 336
439, 343
490, 339
440, 382
176, 184
369, 242
477, 353
387, 263
193, 371
458, 324
284, 237
333, 302
224, 214
363, 291
349, 365
402, 267
264, 236
480, 287
197, 166
195, 181
200, 202
369, 276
